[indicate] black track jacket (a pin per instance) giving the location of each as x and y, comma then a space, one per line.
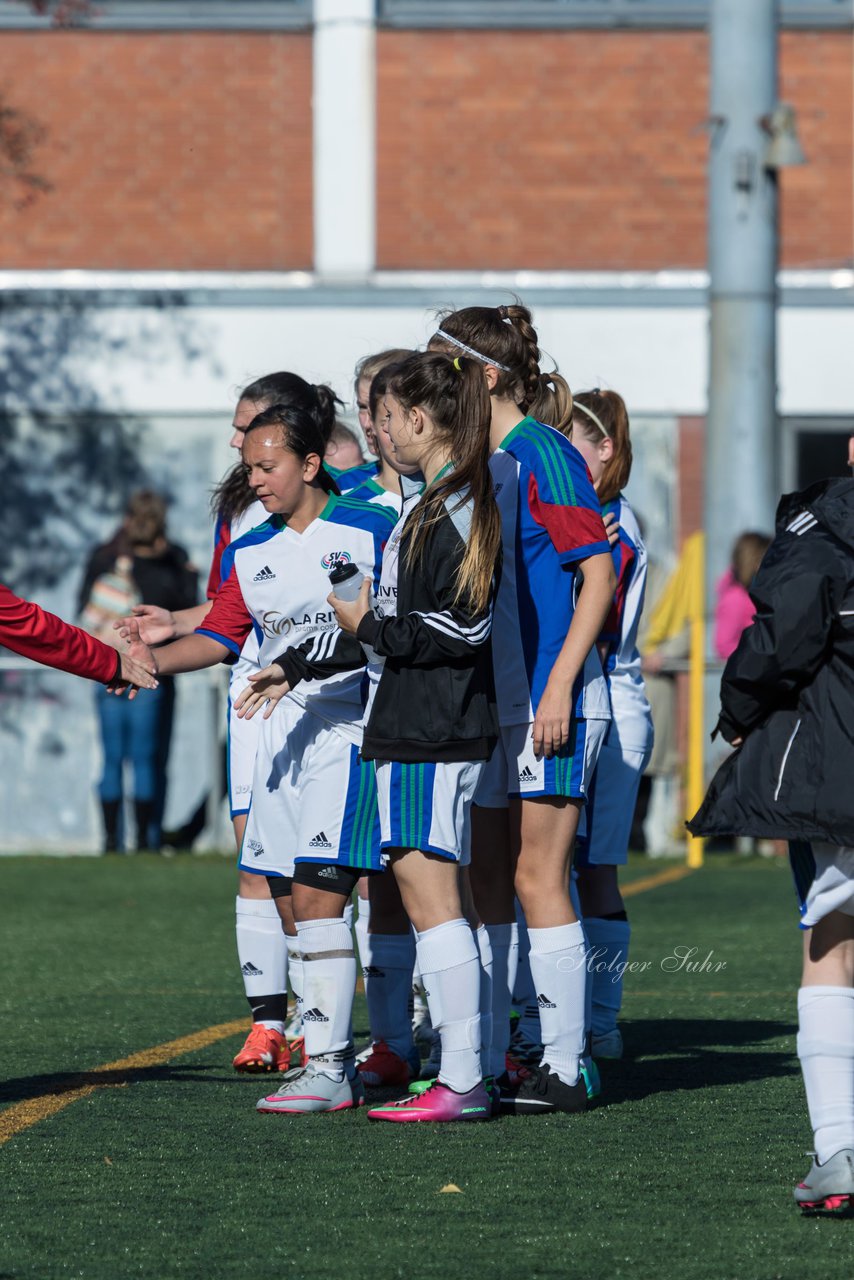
788, 689
435, 700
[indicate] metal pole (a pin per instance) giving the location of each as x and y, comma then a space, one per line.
741, 482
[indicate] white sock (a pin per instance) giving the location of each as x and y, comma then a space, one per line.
388, 986
826, 1051
263, 958
450, 972
329, 983
484, 951
608, 943
360, 928
504, 939
295, 974
559, 973
349, 914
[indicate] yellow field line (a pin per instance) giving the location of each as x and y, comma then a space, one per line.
652, 882
24, 1114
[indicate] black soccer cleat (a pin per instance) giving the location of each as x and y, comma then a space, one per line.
539, 1090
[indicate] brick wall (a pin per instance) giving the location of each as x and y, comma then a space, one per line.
583, 150
189, 150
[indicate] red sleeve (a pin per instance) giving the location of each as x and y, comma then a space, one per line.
36, 634
576, 532
222, 537
228, 621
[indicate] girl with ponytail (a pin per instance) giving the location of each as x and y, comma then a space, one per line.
600, 432
431, 721
552, 698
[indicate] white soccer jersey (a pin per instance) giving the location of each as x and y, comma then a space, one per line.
248, 661
276, 582
630, 707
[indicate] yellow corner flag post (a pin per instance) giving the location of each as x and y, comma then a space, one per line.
682, 604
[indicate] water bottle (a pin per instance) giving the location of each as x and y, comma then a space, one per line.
346, 582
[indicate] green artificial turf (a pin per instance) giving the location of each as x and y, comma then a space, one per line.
685, 1170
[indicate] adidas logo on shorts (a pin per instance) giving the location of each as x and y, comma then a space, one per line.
527, 776
320, 842
314, 1015
249, 970
264, 575
255, 847
544, 1002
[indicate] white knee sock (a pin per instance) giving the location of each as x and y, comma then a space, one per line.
263, 957
388, 984
608, 941
504, 939
349, 914
484, 951
295, 976
329, 982
360, 929
450, 971
558, 970
826, 1051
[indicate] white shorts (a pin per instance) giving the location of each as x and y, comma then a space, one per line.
606, 820
427, 806
313, 798
514, 770
832, 887
242, 747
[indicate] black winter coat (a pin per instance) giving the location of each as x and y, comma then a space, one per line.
788, 689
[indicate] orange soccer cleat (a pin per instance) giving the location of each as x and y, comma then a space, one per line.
264, 1050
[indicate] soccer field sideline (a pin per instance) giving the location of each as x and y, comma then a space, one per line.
702, 1126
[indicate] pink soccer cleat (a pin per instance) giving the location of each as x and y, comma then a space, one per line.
438, 1103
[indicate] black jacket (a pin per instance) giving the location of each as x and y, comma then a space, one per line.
436, 695
788, 689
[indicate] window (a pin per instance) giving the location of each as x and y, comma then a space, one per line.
171, 15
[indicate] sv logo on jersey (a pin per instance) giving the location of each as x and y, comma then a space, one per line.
332, 559
275, 624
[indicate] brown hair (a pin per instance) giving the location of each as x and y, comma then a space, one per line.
747, 552
300, 433
145, 519
610, 410
369, 366
506, 335
455, 394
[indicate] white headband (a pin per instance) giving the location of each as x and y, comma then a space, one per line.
470, 351
576, 404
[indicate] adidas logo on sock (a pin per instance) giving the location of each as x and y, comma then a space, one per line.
264, 575
543, 1002
314, 1015
249, 971
320, 842
371, 971
527, 776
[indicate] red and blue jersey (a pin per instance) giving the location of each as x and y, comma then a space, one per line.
551, 522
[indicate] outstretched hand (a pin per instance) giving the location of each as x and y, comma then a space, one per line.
154, 625
266, 688
133, 677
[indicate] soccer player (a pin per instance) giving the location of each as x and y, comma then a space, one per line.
266, 955
552, 697
787, 705
312, 828
600, 433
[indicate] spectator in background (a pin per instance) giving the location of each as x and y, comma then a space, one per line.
734, 608
139, 565
343, 450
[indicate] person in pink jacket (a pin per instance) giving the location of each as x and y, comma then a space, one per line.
734, 608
